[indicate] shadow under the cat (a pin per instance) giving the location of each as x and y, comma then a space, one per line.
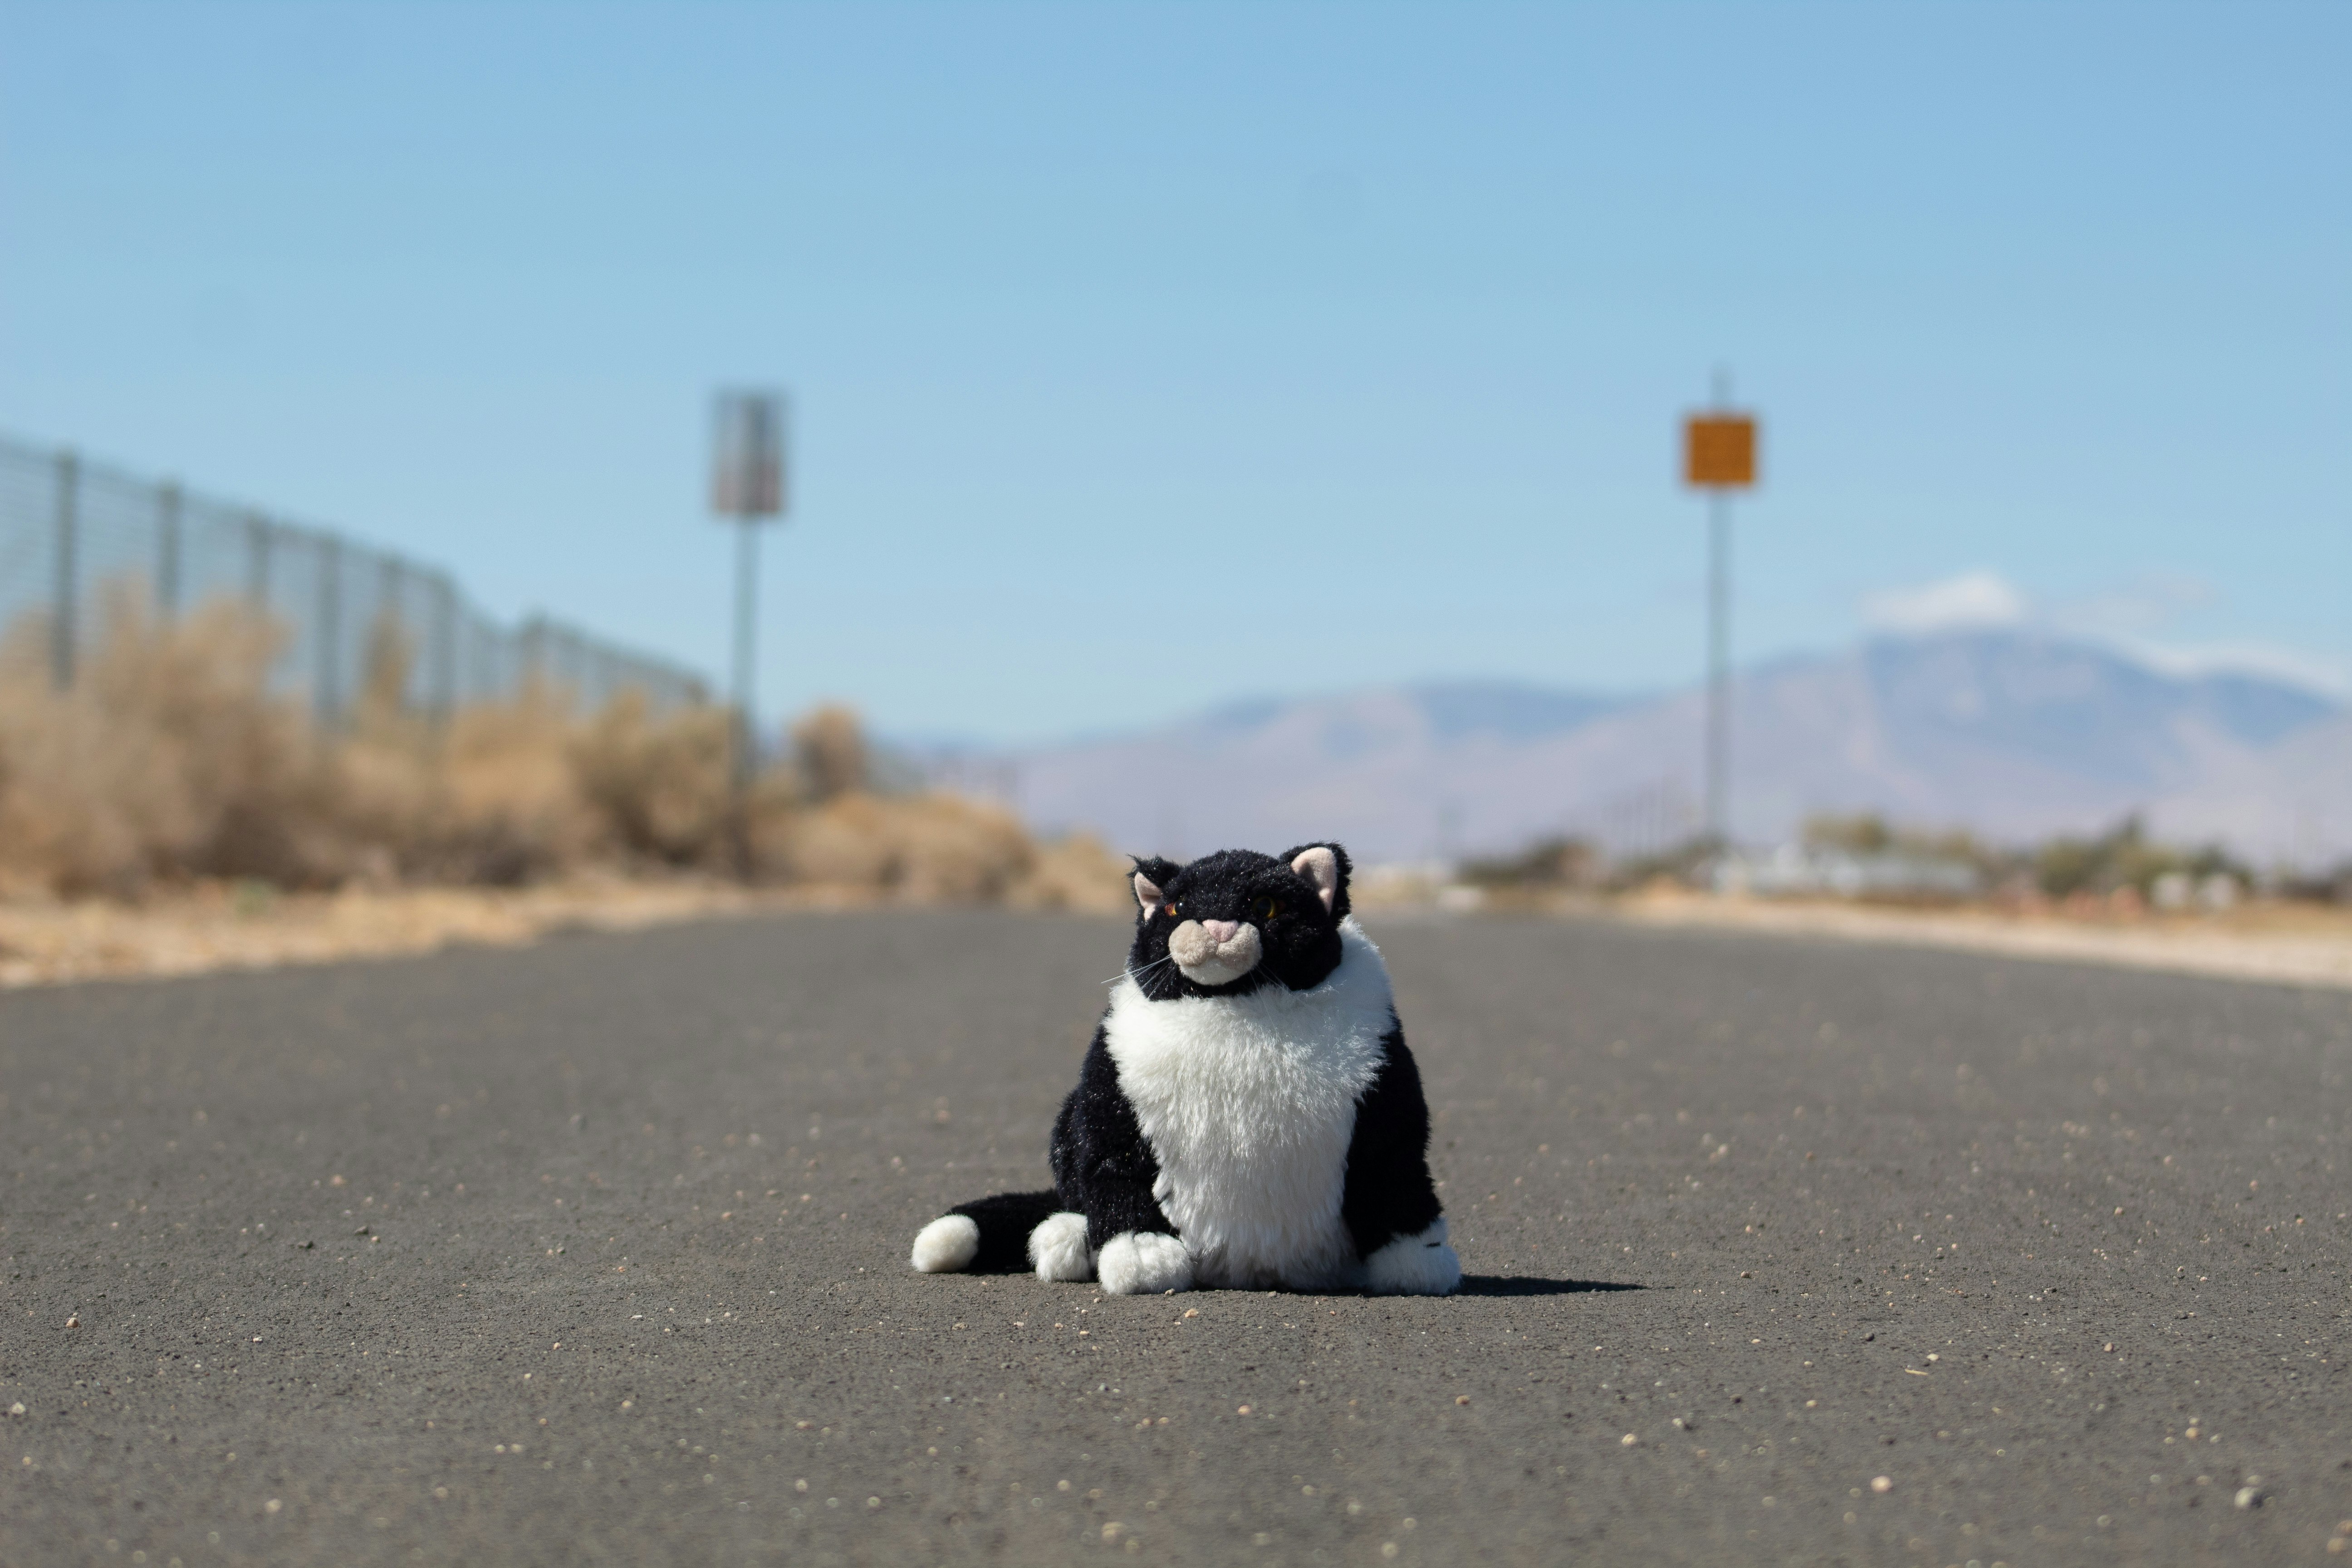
1472, 1284
1533, 1285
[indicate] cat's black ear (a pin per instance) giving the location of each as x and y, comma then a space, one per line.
1152, 876
1326, 869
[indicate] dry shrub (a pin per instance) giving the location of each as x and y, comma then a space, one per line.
929, 848
952, 851
492, 797
1079, 874
512, 810
829, 752
171, 760
168, 758
389, 794
659, 785
843, 844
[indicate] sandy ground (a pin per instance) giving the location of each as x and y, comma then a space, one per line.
2292, 944
246, 926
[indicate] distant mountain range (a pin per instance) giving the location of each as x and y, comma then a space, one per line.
2013, 734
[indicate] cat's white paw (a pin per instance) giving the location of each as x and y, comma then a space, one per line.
1414, 1266
1058, 1248
1143, 1263
948, 1243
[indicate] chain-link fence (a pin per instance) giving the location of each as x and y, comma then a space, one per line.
72, 532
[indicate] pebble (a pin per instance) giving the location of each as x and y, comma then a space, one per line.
1628, 1440
2248, 1497
1882, 1483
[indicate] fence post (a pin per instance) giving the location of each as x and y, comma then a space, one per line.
167, 549
531, 647
330, 631
445, 649
392, 606
63, 632
256, 561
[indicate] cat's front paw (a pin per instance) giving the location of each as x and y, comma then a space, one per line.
1143, 1263
1420, 1265
946, 1244
1058, 1248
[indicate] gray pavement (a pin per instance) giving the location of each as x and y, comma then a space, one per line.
596, 1252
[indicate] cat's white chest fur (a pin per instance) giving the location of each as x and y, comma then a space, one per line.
1249, 1103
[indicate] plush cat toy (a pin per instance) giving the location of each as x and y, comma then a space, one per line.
1247, 1114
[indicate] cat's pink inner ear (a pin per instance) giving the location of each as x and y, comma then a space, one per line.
1148, 894
1320, 867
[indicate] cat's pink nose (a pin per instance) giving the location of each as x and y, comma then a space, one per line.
1221, 932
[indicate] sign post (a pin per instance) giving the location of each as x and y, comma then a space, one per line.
1720, 457
747, 485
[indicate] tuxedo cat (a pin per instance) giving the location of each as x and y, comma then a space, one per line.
1247, 1114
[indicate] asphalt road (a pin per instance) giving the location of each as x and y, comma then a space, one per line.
596, 1252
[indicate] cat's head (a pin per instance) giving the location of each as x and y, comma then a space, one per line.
1238, 921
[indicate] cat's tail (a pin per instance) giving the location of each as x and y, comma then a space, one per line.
992, 1235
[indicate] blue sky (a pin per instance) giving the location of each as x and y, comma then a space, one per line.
1144, 356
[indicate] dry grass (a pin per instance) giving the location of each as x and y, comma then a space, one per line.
171, 767
212, 925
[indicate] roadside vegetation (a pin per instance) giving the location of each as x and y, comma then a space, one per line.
173, 765
1864, 858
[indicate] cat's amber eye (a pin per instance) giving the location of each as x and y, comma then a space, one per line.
1268, 908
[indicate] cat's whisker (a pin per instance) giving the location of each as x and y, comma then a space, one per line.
1139, 974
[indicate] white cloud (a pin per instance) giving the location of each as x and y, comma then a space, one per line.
1971, 599
2328, 677
2118, 617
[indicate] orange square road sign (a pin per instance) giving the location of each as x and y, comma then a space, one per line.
1720, 451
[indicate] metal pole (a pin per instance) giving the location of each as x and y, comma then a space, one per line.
747, 590
63, 633
167, 550
1718, 647
330, 632
1718, 670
